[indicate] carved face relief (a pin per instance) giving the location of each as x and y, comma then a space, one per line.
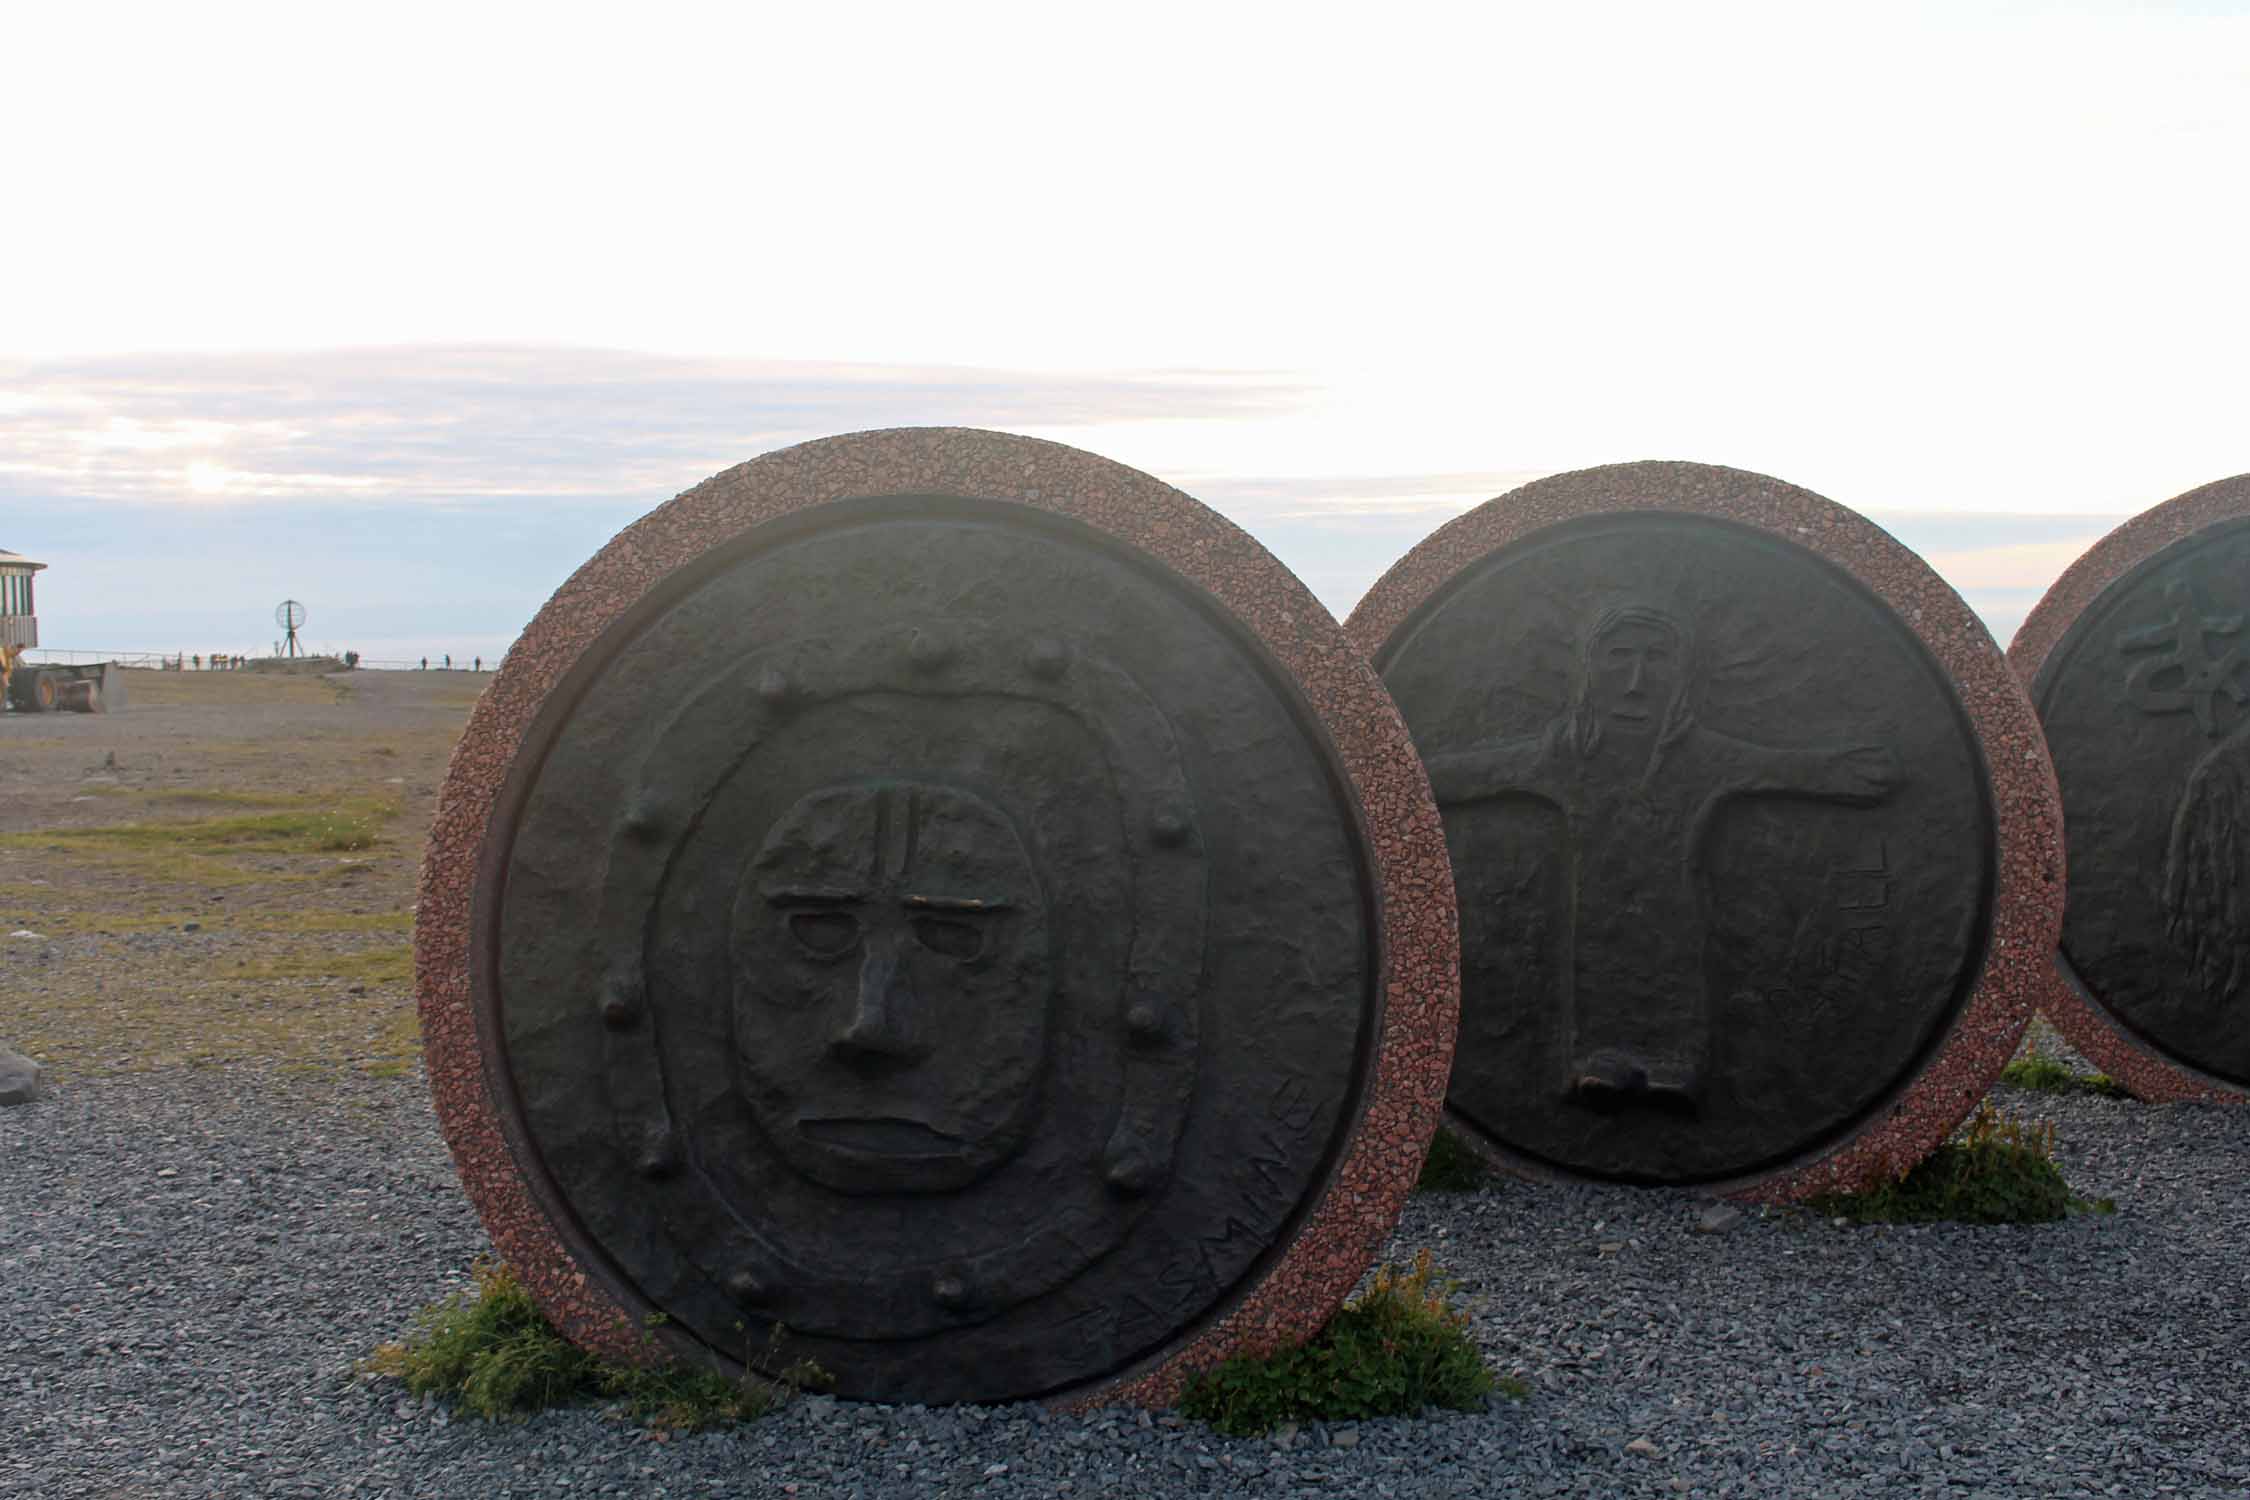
892, 987
967, 941
1634, 673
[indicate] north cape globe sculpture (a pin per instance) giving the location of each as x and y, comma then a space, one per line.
1750, 825
952, 900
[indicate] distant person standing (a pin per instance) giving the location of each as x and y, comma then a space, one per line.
449, 661
479, 665
425, 664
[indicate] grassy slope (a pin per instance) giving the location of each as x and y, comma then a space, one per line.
282, 817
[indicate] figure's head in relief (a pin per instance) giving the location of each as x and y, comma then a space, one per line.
1633, 680
892, 986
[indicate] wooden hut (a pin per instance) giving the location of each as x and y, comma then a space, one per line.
19, 617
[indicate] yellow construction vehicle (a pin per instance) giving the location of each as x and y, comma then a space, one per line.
87, 688
19, 622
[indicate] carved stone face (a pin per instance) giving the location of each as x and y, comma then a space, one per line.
1634, 674
892, 984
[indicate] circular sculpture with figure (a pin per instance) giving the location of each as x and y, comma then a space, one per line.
1748, 820
945, 906
2136, 662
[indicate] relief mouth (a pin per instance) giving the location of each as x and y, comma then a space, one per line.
882, 1135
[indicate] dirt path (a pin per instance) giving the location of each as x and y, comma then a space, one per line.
223, 871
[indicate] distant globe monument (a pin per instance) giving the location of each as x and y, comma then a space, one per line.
289, 615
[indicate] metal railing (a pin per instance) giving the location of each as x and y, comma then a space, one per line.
176, 661
46, 658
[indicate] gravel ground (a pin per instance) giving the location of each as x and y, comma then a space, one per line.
192, 1260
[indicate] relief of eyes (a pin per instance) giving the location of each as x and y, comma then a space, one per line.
833, 935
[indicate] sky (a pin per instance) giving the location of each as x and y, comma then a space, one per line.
404, 311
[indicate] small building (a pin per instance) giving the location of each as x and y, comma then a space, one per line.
19, 617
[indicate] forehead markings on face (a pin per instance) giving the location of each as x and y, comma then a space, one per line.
895, 845
894, 835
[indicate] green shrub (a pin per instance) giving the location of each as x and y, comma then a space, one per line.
491, 1350
1395, 1349
1997, 1171
2047, 1076
1450, 1167
311, 825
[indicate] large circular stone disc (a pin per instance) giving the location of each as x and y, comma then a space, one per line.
1748, 819
2138, 660
950, 898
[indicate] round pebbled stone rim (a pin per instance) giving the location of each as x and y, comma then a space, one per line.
2027, 808
1368, 1184
2148, 1073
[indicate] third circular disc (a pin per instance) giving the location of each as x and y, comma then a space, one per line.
2138, 659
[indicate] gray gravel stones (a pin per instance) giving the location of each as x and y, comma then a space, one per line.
19, 1078
192, 1262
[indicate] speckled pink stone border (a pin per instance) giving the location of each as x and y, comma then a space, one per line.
2028, 894
1361, 1200
2147, 1072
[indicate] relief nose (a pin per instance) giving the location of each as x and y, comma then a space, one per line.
882, 1026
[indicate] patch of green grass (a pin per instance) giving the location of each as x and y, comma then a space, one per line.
1451, 1166
392, 965
1997, 1171
191, 796
315, 920
151, 689
2048, 1076
324, 826
208, 853
1395, 1349
293, 826
308, 921
489, 1349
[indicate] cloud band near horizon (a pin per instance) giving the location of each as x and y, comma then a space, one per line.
434, 494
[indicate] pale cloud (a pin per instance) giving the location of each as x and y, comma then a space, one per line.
2000, 563
456, 486
135, 436
2025, 565
497, 423
1354, 500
